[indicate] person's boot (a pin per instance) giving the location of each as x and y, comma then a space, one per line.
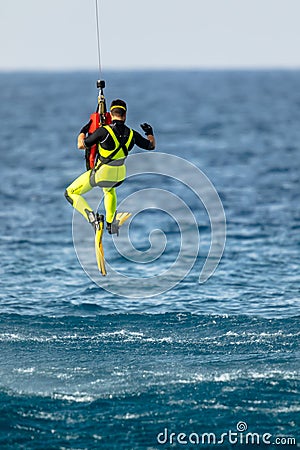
113, 227
99, 220
95, 219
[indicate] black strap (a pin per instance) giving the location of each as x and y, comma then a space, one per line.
87, 158
109, 158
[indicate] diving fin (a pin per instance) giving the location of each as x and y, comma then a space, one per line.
99, 245
122, 217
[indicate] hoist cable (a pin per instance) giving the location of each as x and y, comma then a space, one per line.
98, 38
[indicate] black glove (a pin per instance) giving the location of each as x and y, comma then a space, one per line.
86, 127
147, 128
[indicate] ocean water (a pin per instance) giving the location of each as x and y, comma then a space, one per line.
148, 357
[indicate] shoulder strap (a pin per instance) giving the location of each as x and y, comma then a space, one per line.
120, 144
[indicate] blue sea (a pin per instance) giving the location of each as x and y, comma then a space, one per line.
149, 357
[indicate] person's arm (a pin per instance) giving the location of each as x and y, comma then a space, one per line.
82, 134
84, 142
142, 142
80, 141
98, 136
150, 136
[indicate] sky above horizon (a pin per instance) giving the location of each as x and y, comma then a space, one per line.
61, 34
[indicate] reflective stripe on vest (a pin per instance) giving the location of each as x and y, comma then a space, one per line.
121, 154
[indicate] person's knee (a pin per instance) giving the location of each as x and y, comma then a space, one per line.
70, 200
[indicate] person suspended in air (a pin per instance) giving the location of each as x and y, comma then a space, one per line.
114, 142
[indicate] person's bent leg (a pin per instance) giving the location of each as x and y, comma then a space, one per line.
74, 193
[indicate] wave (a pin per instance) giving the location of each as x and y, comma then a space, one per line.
133, 372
